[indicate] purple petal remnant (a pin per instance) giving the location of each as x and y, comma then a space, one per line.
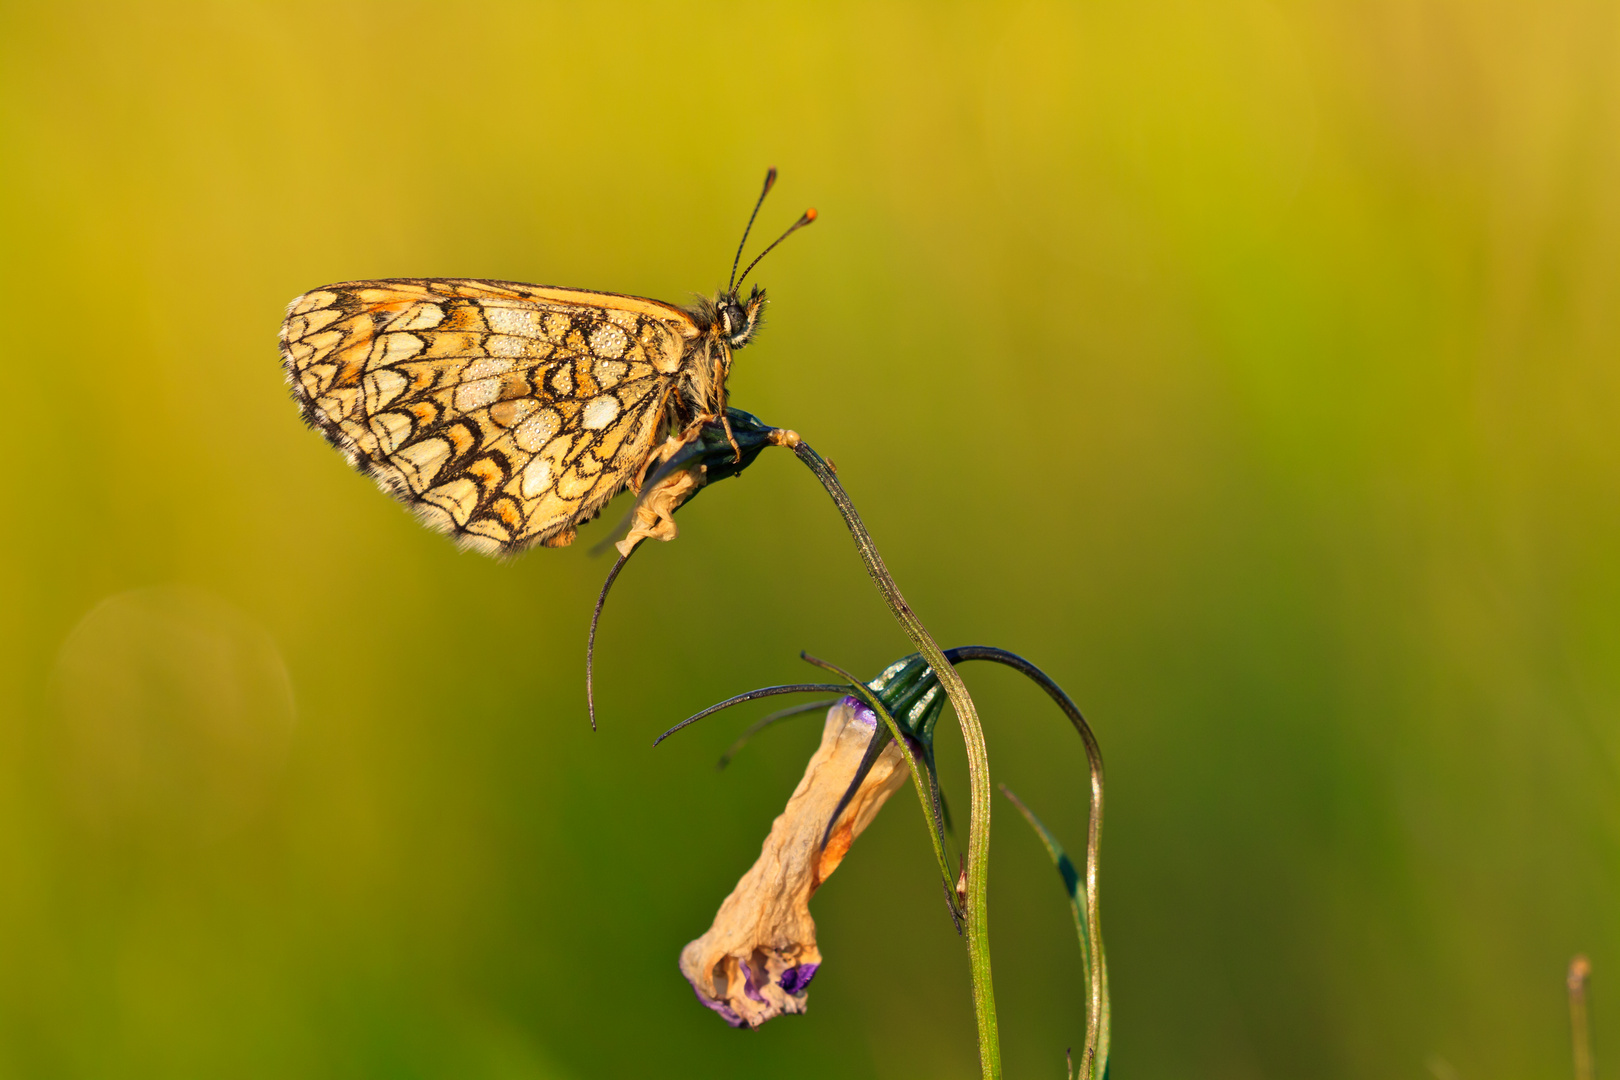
751, 986
757, 960
864, 715
726, 1012
796, 979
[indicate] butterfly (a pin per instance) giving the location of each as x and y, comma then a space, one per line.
507, 414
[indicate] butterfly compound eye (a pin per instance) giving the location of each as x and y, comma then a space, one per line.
735, 322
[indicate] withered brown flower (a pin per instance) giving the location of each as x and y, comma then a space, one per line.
757, 960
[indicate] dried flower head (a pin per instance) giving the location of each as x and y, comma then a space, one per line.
757, 960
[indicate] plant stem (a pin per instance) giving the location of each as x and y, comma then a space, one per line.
1094, 1060
975, 929
1580, 971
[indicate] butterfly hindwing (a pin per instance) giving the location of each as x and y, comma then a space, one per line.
504, 414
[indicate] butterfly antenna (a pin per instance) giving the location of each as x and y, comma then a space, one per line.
770, 182
809, 216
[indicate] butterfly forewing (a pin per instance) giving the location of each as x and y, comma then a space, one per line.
504, 414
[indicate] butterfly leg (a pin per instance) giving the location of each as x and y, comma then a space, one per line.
736, 451
667, 450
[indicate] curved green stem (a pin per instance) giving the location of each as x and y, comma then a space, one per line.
975, 923
1094, 1059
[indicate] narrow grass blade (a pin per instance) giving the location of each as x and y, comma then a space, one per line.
1094, 1060
752, 695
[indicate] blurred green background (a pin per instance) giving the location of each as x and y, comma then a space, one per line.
1250, 366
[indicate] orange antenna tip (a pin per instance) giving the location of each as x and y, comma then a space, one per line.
810, 215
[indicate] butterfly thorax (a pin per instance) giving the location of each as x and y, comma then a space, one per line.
725, 324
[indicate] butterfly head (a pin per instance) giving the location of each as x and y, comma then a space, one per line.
737, 318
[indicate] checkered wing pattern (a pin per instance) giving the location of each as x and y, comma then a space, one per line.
503, 414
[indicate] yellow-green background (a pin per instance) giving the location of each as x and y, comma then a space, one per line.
1250, 366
